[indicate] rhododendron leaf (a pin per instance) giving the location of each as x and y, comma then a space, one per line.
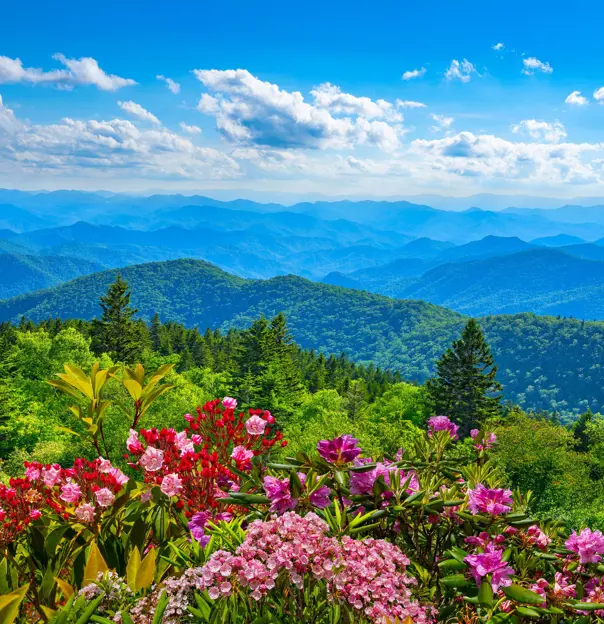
250, 499
146, 571
458, 553
362, 468
95, 564
48, 612
485, 594
48, 583
452, 564
456, 580
90, 609
134, 388
162, 603
53, 538
520, 524
413, 498
10, 603
527, 612
4, 588
522, 594
134, 562
64, 387
587, 606
295, 486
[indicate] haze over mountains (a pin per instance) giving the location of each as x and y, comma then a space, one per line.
475, 261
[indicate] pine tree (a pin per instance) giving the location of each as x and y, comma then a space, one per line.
465, 388
155, 331
117, 333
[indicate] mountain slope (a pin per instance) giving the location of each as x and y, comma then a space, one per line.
545, 363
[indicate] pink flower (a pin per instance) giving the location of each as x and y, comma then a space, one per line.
340, 450
70, 492
279, 494
152, 459
588, 544
105, 497
171, 485
229, 403
197, 439
133, 444
255, 425
494, 502
442, 423
34, 514
538, 537
490, 562
242, 455
85, 513
32, 472
119, 476
487, 442
104, 465
320, 497
146, 496
52, 475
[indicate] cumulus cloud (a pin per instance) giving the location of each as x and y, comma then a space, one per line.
490, 157
599, 95
533, 65
332, 98
442, 122
576, 99
409, 104
414, 73
541, 130
173, 86
460, 70
138, 111
189, 129
254, 112
83, 71
102, 148
498, 47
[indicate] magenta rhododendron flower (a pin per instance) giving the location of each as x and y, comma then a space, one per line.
538, 537
341, 450
588, 544
442, 423
196, 526
105, 497
152, 459
362, 482
485, 500
255, 425
278, 492
491, 563
85, 513
70, 492
487, 442
171, 485
320, 497
229, 402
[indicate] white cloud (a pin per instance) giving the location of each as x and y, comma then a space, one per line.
541, 130
173, 86
331, 98
409, 104
84, 71
498, 47
460, 70
576, 99
138, 111
8, 121
414, 73
442, 122
533, 65
599, 95
251, 111
189, 129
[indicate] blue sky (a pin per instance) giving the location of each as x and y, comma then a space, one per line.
319, 104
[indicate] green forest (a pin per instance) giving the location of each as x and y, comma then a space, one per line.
314, 395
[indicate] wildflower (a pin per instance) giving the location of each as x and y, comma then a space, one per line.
490, 562
487, 442
538, 537
133, 444
255, 425
85, 513
229, 403
171, 485
320, 497
51, 475
491, 501
442, 423
34, 514
70, 492
242, 455
279, 494
152, 459
32, 471
588, 544
341, 450
105, 497
196, 526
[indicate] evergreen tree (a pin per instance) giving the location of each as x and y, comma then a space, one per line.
155, 332
117, 333
465, 388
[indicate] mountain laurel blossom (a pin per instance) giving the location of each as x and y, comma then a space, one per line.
255, 425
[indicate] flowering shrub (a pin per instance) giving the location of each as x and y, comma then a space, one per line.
206, 527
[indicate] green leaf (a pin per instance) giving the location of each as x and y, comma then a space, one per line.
162, 603
146, 572
456, 580
485, 594
528, 612
521, 594
10, 603
587, 606
95, 565
452, 564
134, 562
90, 609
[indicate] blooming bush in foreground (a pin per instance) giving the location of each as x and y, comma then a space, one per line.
202, 525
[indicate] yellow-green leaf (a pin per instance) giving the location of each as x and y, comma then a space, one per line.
65, 587
9, 604
146, 572
134, 564
94, 566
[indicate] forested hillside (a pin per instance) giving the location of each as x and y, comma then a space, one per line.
545, 362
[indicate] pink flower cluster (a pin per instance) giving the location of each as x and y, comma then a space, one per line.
368, 574
279, 493
490, 563
487, 442
363, 482
491, 501
442, 423
588, 544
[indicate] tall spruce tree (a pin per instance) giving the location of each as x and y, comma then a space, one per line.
465, 388
116, 332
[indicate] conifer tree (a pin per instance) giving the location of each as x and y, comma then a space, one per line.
116, 332
465, 388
